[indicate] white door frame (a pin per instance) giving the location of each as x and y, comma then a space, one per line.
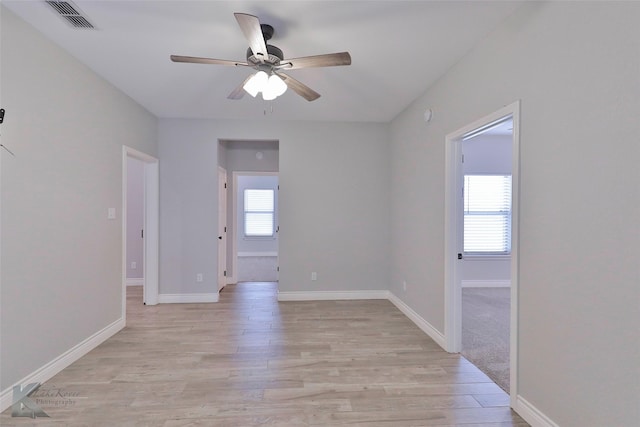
151, 226
222, 227
453, 208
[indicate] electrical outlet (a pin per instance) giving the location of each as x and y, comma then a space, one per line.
199, 278
404, 285
314, 275
134, 265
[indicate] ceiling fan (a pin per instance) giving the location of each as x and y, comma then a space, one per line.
269, 62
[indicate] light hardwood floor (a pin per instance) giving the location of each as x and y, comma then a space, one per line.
249, 360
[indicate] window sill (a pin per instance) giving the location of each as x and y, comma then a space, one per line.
487, 257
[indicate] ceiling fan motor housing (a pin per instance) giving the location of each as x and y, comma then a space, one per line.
275, 56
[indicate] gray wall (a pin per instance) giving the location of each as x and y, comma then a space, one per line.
241, 156
575, 67
135, 217
61, 256
334, 202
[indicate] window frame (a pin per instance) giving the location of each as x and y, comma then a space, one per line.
272, 212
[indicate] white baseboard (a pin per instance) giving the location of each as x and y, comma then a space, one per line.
531, 414
485, 283
331, 295
420, 322
52, 368
135, 282
187, 298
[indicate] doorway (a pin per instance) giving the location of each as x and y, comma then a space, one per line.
135, 221
454, 235
255, 241
253, 161
485, 264
149, 206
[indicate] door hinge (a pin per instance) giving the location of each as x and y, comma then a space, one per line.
225, 185
225, 273
463, 158
225, 229
142, 234
278, 268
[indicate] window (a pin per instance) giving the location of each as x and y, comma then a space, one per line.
258, 213
487, 214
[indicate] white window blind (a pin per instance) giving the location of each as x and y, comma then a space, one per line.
487, 214
258, 213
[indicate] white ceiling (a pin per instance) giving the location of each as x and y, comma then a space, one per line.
398, 49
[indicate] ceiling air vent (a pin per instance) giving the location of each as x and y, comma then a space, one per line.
70, 13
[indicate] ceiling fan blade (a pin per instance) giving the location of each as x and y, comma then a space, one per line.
328, 60
250, 26
198, 60
239, 91
300, 88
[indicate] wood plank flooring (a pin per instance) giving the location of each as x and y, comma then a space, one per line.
249, 360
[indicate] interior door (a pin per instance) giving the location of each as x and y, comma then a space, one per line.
222, 228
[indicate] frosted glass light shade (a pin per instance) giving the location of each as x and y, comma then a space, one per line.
274, 88
256, 83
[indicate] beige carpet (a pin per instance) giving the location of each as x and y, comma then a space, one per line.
485, 331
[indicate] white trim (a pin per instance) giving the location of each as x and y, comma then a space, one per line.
187, 298
531, 414
223, 227
485, 283
452, 245
420, 322
135, 281
453, 238
515, 254
151, 272
249, 254
55, 366
331, 295
493, 257
151, 226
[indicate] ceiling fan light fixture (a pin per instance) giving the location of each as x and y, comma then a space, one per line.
256, 83
268, 60
274, 88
